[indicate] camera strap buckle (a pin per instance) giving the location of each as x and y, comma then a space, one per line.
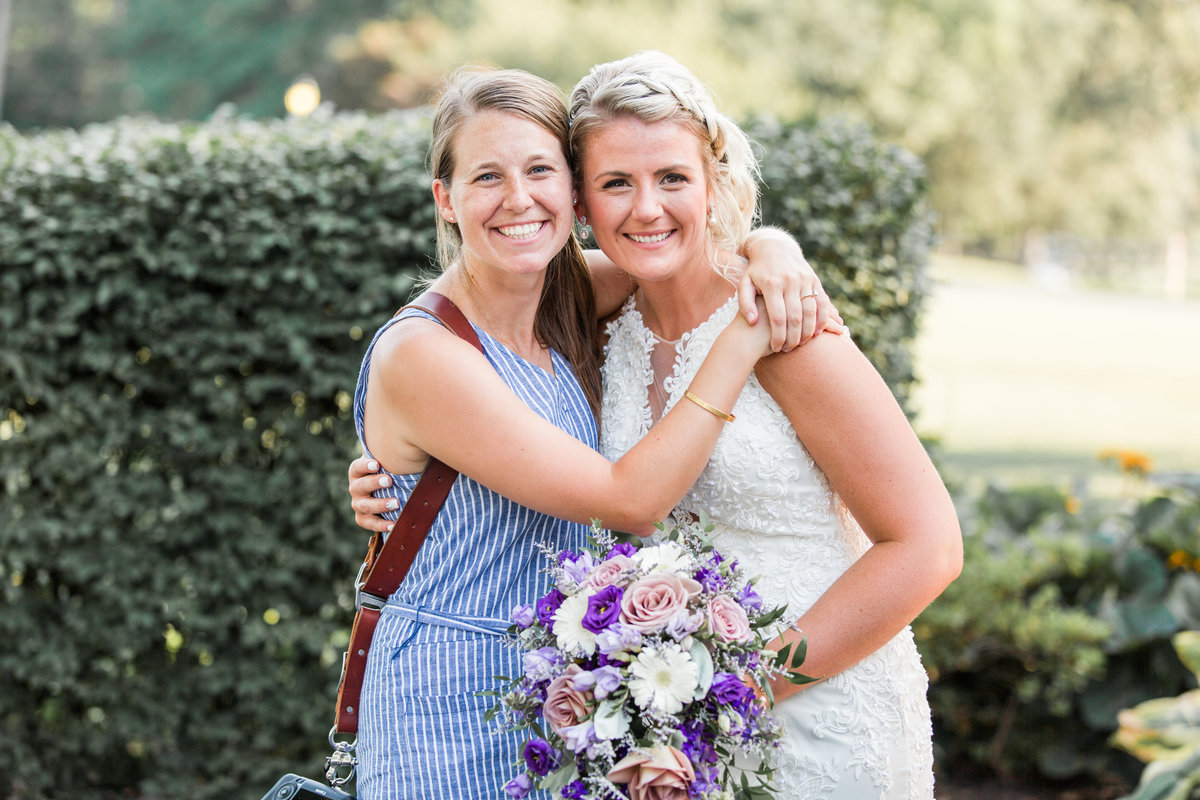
342, 758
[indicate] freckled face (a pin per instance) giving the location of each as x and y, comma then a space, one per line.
645, 194
510, 194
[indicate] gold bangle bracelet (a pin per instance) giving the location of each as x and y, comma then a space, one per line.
709, 408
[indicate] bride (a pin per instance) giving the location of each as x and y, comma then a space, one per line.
820, 485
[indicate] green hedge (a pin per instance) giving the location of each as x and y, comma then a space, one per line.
858, 208
182, 313
1062, 617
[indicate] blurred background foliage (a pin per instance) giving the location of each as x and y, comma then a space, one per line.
1019, 108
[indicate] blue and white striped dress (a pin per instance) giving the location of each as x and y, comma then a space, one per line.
439, 639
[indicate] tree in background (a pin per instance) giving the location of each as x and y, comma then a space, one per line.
1066, 115
79, 61
1077, 115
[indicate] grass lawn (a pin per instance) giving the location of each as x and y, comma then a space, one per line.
1021, 381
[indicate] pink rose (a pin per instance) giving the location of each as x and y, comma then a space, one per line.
565, 706
727, 619
609, 572
651, 602
662, 773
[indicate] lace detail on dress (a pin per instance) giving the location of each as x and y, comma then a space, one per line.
860, 735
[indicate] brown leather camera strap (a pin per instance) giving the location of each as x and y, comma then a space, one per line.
388, 560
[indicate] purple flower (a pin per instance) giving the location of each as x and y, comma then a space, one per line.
695, 746
603, 681
682, 625
540, 664
519, 786
710, 579
579, 737
705, 782
523, 615
533, 691
604, 608
577, 569
540, 757
575, 790
617, 637
750, 598
566, 556
622, 549
728, 690
548, 605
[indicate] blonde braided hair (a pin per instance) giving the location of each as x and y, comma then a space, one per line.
653, 87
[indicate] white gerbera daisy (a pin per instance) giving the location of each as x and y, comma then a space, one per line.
573, 638
665, 557
663, 679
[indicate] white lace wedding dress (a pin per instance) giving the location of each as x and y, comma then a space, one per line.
864, 734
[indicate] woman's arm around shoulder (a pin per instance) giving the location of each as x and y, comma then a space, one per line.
430, 393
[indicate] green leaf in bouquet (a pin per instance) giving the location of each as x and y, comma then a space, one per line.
790, 658
800, 652
768, 692
781, 657
610, 719
772, 616
704, 667
799, 678
566, 773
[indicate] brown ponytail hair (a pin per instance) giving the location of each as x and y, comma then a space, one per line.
566, 314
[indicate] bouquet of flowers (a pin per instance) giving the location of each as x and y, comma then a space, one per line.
634, 675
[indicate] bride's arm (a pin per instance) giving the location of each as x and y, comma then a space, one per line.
857, 434
610, 285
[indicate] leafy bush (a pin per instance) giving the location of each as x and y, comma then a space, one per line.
182, 313
859, 211
1165, 734
1062, 617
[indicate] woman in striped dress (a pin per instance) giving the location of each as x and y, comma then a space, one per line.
518, 423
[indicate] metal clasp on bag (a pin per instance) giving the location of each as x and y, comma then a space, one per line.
342, 758
362, 598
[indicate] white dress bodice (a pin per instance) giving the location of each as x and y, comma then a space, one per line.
866, 732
